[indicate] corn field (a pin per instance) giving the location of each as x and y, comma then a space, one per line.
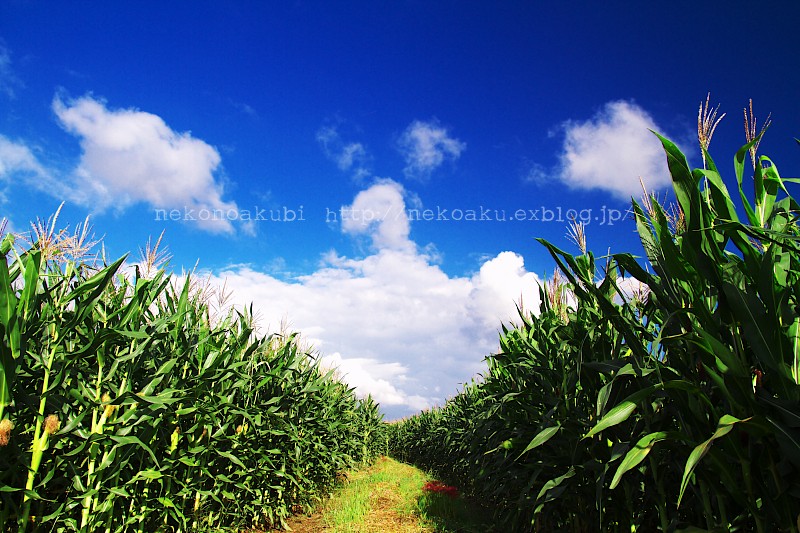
671, 407
127, 404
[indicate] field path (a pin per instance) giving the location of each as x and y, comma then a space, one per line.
386, 498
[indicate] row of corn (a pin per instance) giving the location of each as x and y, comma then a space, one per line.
128, 404
658, 398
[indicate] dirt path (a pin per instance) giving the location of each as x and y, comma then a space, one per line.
387, 508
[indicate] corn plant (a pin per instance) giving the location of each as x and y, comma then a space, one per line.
675, 408
127, 405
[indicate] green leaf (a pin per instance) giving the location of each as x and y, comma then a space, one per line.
621, 411
119, 491
542, 437
149, 474
749, 310
789, 441
724, 427
232, 458
637, 454
711, 345
738, 165
134, 440
8, 298
166, 502
723, 205
550, 488
683, 183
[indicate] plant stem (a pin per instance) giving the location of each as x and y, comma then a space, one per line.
40, 436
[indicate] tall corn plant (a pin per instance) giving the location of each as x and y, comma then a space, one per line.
724, 296
676, 410
127, 407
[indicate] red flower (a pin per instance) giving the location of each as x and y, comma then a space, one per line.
441, 488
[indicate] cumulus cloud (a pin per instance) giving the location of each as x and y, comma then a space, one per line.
502, 278
375, 379
132, 156
611, 151
395, 324
348, 156
426, 146
380, 213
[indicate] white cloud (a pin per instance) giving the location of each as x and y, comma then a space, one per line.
349, 157
244, 108
379, 212
17, 159
499, 279
9, 82
632, 288
375, 378
612, 151
426, 146
536, 173
396, 325
132, 156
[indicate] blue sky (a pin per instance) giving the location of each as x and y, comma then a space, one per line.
367, 134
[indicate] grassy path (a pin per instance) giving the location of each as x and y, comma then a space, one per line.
388, 497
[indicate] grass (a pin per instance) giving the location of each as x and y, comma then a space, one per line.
389, 497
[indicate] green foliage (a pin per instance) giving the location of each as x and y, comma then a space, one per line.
130, 407
673, 408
